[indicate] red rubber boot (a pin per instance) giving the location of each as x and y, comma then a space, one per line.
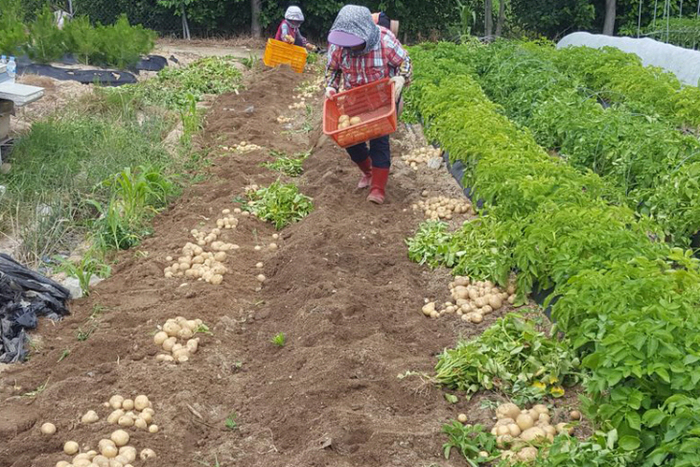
379, 179
366, 168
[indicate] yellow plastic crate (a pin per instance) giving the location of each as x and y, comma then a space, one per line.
280, 53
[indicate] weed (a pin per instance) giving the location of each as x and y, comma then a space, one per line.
64, 355
97, 311
88, 266
41, 388
84, 334
250, 62
230, 422
279, 340
279, 204
470, 441
292, 166
204, 329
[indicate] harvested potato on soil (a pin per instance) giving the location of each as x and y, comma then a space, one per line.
442, 207
90, 417
472, 300
48, 428
421, 156
71, 447
147, 454
182, 330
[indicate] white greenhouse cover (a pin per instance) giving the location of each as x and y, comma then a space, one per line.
684, 63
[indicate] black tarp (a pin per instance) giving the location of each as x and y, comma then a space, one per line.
25, 295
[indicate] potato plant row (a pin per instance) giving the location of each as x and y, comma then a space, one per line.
627, 302
654, 165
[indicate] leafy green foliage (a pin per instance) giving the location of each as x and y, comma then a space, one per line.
279, 340
280, 204
174, 88
121, 44
292, 166
82, 39
601, 450
626, 302
12, 33
683, 32
46, 40
512, 357
470, 441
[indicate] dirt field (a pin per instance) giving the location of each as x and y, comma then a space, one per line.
340, 287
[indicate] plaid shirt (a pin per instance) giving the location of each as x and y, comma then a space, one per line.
386, 60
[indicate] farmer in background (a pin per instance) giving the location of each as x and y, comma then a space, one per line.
383, 20
360, 53
288, 30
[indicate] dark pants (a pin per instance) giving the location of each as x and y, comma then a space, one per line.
378, 151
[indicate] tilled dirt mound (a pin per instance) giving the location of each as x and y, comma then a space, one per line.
340, 287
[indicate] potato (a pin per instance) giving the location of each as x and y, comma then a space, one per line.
476, 318
82, 462
532, 434
128, 452
355, 121
115, 416
147, 454
544, 418
90, 417
179, 352
550, 430
524, 421
100, 461
216, 279
119, 438
192, 345
540, 408
125, 421
48, 428
508, 410
495, 302
140, 423
164, 358
141, 402
62, 464
527, 454
153, 429
504, 421
575, 415
128, 404
169, 343
514, 430
116, 402
564, 428
185, 333
344, 118
487, 309
171, 329
502, 430
109, 451
504, 440
71, 447
146, 416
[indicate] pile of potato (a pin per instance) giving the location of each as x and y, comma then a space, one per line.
195, 263
283, 119
421, 156
298, 105
167, 338
517, 430
244, 147
472, 300
346, 121
114, 451
442, 207
228, 221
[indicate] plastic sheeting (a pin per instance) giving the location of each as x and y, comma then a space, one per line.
684, 63
25, 295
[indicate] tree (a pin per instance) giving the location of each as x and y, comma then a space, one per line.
488, 18
180, 10
501, 17
255, 7
609, 24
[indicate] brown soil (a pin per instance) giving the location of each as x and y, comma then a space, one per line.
340, 287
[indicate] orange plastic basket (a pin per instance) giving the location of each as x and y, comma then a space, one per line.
280, 53
373, 103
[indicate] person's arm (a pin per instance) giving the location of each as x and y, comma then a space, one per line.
285, 31
398, 59
333, 71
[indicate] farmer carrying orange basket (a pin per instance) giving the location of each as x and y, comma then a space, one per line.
362, 52
288, 30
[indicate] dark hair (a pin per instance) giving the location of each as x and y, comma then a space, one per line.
384, 21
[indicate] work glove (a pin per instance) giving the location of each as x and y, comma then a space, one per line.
311, 47
399, 82
289, 39
330, 92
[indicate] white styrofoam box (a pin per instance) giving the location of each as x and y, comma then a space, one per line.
20, 94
